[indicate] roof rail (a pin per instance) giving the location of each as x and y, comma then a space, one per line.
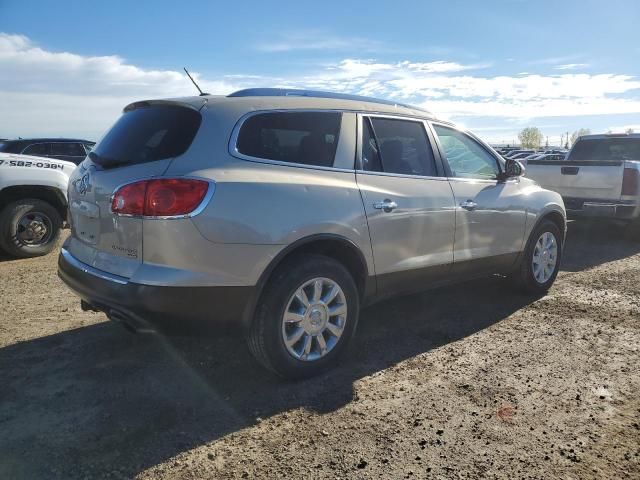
292, 92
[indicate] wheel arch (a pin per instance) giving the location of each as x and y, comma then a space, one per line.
333, 246
554, 216
51, 195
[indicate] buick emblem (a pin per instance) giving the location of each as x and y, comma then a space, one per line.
82, 185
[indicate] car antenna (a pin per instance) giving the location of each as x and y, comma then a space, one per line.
194, 82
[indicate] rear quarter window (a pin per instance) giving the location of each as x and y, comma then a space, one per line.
308, 138
146, 134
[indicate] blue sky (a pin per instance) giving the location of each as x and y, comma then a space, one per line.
492, 66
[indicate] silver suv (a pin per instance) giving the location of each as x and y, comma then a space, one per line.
284, 212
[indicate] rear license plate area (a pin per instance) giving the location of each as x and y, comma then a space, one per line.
85, 218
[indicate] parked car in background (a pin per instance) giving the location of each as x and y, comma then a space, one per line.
285, 211
504, 150
521, 155
33, 203
599, 177
542, 156
67, 149
513, 153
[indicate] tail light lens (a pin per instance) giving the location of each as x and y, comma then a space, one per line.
166, 197
630, 181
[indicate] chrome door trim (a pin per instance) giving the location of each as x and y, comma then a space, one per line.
427, 132
344, 136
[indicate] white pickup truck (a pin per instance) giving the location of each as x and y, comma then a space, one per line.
33, 203
600, 177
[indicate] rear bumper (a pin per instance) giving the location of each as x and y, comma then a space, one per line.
156, 308
598, 208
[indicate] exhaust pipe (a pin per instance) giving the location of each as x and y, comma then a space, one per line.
131, 324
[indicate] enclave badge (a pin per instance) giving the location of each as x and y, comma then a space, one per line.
82, 185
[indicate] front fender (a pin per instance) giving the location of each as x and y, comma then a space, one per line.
540, 204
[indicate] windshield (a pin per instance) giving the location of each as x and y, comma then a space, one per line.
625, 148
147, 134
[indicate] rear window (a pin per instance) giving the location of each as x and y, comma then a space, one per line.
606, 149
37, 149
146, 134
308, 138
67, 150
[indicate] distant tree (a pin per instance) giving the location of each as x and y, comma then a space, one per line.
530, 137
579, 133
629, 130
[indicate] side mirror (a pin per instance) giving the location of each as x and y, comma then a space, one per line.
513, 168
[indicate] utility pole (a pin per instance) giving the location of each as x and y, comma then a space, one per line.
566, 145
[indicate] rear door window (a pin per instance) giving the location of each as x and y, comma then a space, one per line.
605, 149
308, 138
397, 146
146, 134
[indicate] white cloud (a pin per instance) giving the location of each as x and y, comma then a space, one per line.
571, 66
556, 60
446, 89
625, 128
439, 66
61, 93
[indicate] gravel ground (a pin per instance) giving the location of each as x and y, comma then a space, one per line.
462, 382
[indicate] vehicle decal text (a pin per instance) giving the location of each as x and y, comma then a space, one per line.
27, 163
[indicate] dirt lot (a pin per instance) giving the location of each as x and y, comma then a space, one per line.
463, 382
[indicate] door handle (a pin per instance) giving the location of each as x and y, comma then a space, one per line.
469, 205
569, 170
386, 205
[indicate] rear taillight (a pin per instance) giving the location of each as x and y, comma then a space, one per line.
630, 181
129, 199
166, 197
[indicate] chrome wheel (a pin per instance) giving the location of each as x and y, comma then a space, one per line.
545, 257
34, 228
314, 319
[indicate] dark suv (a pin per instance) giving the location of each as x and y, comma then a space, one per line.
71, 150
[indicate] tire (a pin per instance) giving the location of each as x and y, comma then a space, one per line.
266, 335
524, 277
38, 215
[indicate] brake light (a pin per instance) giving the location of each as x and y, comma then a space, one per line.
166, 197
630, 181
129, 199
